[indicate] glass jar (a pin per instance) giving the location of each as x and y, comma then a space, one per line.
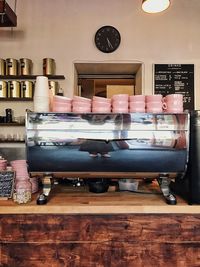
22, 191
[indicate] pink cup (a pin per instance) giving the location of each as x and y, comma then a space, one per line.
61, 99
154, 98
61, 109
99, 104
137, 98
81, 99
120, 97
81, 109
56, 104
120, 110
158, 105
174, 110
101, 110
140, 105
173, 97
81, 104
154, 110
120, 104
173, 105
137, 109
154, 107
101, 99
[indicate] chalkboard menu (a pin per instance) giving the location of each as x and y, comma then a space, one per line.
6, 183
175, 79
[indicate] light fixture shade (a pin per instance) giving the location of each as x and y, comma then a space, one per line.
8, 17
155, 6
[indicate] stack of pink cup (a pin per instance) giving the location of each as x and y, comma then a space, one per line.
81, 104
173, 103
137, 103
20, 168
120, 103
3, 164
61, 104
101, 104
154, 103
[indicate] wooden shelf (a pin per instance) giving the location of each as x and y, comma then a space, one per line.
30, 77
10, 141
15, 99
12, 124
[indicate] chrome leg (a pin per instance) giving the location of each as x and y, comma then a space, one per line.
164, 181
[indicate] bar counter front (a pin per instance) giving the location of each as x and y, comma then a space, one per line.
116, 228
80, 228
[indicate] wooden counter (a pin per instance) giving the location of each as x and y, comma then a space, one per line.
114, 229
78, 201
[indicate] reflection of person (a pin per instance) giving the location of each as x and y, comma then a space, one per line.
95, 147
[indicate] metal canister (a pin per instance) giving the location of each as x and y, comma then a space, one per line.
54, 87
25, 66
27, 89
2, 66
49, 66
11, 66
3, 89
14, 89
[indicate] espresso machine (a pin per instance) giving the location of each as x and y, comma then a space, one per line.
108, 145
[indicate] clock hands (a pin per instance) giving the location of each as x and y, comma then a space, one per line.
109, 43
107, 39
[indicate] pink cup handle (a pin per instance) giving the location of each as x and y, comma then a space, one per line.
164, 106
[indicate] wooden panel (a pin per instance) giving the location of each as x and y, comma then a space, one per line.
31, 228
100, 240
101, 254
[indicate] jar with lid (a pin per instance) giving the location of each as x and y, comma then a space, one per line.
22, 191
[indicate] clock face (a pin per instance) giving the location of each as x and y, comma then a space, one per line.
107, 39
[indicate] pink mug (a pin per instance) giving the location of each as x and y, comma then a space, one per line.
154, 98
137, 105
158, 105
137, 109
137, 98
120, 97
98, 104
173, 97
120, 104
174, 110
171, 103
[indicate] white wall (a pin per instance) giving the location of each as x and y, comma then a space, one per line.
64, 30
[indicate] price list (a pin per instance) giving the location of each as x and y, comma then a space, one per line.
175, 79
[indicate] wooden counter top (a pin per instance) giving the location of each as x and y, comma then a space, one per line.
77, 200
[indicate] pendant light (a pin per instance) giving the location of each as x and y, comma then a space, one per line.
155, 6
8, 17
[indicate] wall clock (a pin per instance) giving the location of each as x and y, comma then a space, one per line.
107, 39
